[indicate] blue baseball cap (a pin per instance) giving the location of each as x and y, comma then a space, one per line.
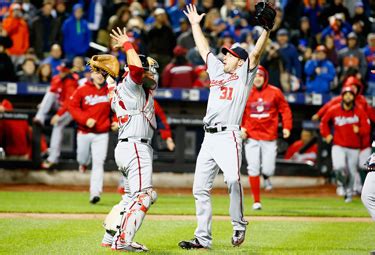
236, 51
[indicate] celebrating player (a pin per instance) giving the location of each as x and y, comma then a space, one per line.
368, 191
350, 123
231, 81
132, 100
259, 125
90, 108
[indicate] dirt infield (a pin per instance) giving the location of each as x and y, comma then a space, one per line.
179, 217
318, 191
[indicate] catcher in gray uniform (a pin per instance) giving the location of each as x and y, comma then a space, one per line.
230, 83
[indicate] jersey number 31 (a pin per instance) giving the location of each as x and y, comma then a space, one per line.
226, 93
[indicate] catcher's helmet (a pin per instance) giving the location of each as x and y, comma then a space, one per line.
149, 63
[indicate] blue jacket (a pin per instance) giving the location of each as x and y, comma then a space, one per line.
289, 55
370, 57
319, 83
76, 35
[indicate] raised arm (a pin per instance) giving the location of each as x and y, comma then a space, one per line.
200, 40
122, 40
256, 53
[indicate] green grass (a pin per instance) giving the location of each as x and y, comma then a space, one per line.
37, 236
77, 202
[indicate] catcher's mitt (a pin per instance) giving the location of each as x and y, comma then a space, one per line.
265, 15
106, 63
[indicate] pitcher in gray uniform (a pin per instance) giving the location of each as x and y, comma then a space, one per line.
132, 100
231, 81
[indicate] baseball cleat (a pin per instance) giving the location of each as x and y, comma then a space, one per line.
105, 244
191, 244
47, 165
238, 237
257, 206
133, 247
95, 200
340, 191
348, 199
268, 185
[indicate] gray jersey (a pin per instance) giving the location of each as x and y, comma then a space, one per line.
228, 92
134, 109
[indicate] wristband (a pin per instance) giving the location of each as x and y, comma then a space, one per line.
127, 46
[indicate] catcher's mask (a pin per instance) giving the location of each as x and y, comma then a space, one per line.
150, 76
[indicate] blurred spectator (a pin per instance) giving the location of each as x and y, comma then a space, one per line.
175, 15
338, 31
161, 39
179, 72
220, 26
331, 52
29, 11
186, 39
54, 58
78, 66
303, 150
336, 6
209, 21
18, 31
61, 13
44, 73
320, 72
289, 54
76, 34
28, 72
292, 13
119, 20
237, 23
44, 30
359, 15
351, 56
312, 11
94, 15
7, 70
4, 8
361, 35
273, 62
226, 9
303, 38
369, 52
202, 80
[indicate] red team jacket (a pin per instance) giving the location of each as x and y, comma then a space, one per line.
89, 102
178, 76
261, 116
64, 88
343, 122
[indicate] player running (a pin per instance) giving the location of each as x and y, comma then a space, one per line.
133, 102
231, 81
90, 108
259, 125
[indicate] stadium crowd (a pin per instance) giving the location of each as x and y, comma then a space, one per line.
315, 45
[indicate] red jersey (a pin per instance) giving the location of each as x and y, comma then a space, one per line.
261, 116
293, 152
90, 102
178, 76
163, 126
64, 88
343, 122
361, 102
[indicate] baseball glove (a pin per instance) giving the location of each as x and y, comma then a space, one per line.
107, 63
265, 15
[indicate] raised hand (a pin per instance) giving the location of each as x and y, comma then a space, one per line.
192, 14
119, 37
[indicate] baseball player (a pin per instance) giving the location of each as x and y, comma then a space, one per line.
259, 126
57, 97
90, 108
368, 190
132, 100
305, 149
165, 133
350, 123
231, 81
365, 150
